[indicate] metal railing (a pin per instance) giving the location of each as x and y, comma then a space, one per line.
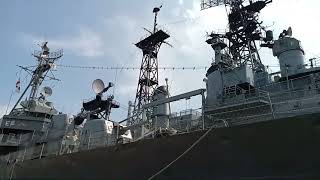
273, 109
96, 139
290, 84
51, 55
99, 138
267, 111
246, 96
226, 118
296, 94
185, 112
184, 126
12, 139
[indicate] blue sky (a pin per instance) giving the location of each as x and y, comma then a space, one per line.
102, 33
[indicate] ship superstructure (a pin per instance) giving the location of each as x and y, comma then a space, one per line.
35, 129
30, 120
251, 124
238, 85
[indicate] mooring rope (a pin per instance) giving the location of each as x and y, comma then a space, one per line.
181, 155
12, 170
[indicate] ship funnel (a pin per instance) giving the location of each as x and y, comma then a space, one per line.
161, 112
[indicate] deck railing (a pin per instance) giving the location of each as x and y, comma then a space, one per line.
12, 139
272, 109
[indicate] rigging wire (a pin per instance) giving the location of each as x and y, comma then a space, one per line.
139, 68
132, 67
18, 76
12, 92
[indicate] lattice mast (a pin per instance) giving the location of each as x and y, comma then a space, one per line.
148, 78
244, 29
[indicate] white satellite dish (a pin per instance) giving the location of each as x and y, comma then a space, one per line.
46, 91
98, 86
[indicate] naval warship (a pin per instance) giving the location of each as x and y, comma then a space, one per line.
251, 125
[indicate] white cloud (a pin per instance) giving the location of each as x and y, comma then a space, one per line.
86, 43
301, 15
118, 33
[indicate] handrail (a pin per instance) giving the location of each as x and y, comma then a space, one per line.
195, 125
267, 94
226, 123
234, 119
284, 82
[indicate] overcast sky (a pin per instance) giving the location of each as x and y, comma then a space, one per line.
103, 33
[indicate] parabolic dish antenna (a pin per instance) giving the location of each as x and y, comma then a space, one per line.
98, 86
46, 91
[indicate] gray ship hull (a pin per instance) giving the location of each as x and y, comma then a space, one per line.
280, 149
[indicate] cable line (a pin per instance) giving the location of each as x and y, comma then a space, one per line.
132, 68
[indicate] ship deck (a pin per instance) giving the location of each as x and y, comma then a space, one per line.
280, 149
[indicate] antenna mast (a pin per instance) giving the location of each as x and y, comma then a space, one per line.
148, 78
46, 61
244, 29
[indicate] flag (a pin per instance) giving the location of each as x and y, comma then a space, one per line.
18, 86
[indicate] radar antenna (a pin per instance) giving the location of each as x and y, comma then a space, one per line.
99, 107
